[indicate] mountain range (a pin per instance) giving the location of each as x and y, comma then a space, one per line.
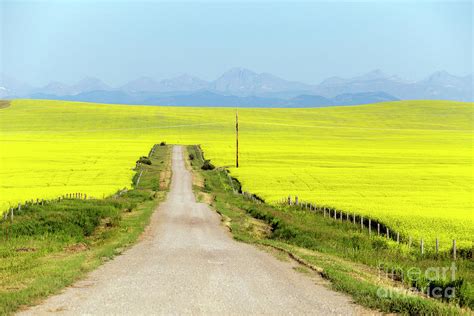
243, 87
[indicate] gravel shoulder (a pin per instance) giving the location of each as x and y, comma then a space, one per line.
187, 263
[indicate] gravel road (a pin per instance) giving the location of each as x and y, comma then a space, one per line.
187, 263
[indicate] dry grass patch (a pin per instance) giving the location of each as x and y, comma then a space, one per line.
4, 104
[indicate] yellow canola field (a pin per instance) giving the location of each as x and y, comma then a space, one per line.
408, 163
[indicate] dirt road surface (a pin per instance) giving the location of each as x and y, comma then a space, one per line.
187, 263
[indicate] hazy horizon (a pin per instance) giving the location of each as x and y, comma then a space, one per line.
46, 41
158, 79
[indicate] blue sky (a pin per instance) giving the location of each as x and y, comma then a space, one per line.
117, 41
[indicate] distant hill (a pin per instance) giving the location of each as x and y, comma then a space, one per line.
243, 87
213, 99
306, 100
362, 98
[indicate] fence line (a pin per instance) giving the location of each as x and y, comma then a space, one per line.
365, 223
230, 181
138, 180
12, 211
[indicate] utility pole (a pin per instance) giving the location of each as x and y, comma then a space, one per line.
236, 139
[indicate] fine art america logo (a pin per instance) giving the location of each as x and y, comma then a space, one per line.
436, 282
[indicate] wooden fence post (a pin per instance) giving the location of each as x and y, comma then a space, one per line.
437, 246
353, 218
454, 249
378, 229
19, 207
11, 214
422, 246
335, 214
324, 209
341, 216
398, 237
296, 200
370, 227
388, 232
362, 222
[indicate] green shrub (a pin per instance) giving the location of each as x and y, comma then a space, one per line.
137, 195
355, 242
135, 178
144, 160
76, 219
285, 232
207, 165
379, 244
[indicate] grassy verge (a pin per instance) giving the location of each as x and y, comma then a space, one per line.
367, 268
48, 247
